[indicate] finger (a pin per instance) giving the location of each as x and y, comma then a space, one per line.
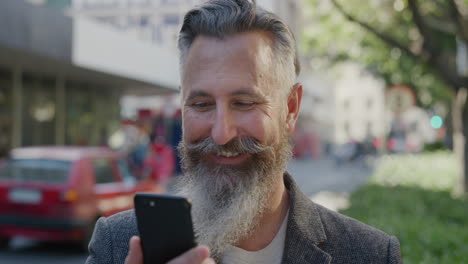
135, 254
209, 261
194, 256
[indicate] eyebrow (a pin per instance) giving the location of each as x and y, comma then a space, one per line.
195, 94
247, 92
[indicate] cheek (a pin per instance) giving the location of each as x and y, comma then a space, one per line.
195, 127
260, 126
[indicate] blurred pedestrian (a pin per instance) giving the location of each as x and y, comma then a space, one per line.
159, 163
176, 138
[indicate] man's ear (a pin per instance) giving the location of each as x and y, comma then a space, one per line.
294, 105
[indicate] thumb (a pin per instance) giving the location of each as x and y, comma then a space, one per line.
197, 255
135, 254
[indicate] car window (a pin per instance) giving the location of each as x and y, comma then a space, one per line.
124, 170
103, 171
35, 170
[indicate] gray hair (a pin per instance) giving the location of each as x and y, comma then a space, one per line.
221, 18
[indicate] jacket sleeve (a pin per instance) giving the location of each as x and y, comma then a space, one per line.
394, 252
100, 247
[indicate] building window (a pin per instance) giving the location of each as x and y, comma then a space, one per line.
369, 132
172, 19
39, 111
369, 103
347, 129
6, 111
79, 116
317, 100
92, 114
144, 21
346, 105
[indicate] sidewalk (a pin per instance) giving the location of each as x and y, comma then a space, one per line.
328, 184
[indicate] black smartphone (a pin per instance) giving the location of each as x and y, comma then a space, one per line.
165, 226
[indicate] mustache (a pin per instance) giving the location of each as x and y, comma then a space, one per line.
239, 145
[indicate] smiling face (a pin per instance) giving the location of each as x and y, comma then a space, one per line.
229, 91
236, 120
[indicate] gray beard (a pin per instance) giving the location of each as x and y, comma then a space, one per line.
229, 201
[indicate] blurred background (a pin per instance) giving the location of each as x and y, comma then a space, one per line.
381, 135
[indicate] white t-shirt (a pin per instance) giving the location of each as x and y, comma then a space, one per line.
271, 254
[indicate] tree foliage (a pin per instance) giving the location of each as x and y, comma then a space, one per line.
403, 41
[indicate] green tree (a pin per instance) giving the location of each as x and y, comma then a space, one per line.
412, 42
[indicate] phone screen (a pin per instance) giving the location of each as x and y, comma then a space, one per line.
165, 226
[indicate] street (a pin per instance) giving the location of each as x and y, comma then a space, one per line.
313, 176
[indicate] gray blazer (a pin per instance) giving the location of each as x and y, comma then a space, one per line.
314, 235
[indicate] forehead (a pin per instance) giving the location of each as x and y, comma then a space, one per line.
243, 58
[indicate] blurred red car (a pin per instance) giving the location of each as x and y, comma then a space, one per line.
58, 193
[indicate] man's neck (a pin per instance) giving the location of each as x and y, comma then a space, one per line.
271, 220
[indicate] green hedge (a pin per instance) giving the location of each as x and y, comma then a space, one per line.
431, 171
414, 204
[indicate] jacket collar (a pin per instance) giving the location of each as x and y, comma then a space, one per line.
305, 231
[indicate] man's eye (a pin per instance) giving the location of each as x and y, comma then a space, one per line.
244, 105
201, 106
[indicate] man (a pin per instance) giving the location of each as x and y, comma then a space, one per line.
240, 104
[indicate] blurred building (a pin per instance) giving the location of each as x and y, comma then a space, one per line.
61, 78
344, 104
155, 21
318, 104
360, 105
409, 126
158, 22
289, 10
347, 104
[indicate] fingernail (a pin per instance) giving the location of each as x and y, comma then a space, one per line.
209, 261
131, 243
203, 251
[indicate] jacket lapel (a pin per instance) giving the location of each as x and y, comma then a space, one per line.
305, 230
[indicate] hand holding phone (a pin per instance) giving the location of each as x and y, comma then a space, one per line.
197, 255
165, 226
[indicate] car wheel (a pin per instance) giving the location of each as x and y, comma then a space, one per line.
4, 242
87, 236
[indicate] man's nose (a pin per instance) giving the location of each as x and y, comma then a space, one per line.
224, 129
